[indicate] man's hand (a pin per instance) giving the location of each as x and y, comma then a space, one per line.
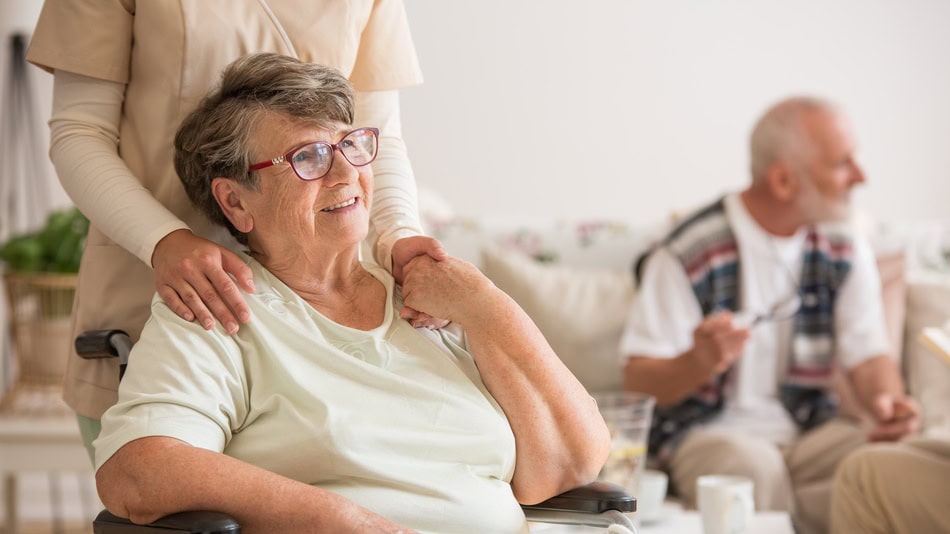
404, 250
717, 343
191, 276
896, 417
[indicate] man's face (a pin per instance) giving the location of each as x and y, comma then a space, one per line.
827, 169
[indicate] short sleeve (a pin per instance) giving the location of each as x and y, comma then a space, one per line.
860, 328
182, 382
386, 58
664, 312
88, 37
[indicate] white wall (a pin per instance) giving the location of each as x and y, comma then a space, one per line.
633, 108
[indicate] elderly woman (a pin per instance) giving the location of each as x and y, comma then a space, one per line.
328, 412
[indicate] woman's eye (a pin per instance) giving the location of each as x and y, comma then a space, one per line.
303, 155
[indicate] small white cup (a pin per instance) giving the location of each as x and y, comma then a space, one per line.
726, 503
651, 494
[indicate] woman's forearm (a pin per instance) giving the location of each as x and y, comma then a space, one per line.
561, 438
152, 477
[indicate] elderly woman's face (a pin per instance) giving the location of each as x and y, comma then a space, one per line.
332, 211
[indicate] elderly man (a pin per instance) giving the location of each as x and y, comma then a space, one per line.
746, 308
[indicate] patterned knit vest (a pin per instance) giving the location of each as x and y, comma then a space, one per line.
707, 248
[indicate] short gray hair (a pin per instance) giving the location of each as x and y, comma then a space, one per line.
780, 132
213, 139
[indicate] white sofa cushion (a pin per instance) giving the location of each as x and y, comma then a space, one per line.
928, 376
581, 311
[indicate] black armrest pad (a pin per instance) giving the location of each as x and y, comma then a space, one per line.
594, 498
190, 522
97, 343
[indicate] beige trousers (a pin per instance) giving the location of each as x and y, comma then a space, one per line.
796, 478
898, 488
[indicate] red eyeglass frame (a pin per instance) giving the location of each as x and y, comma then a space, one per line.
334, 147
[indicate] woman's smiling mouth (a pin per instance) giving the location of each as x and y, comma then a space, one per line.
343, 204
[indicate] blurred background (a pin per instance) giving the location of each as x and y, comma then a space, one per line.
634, 108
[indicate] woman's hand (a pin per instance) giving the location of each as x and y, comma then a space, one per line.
407, 248
404, 251
191, 276
450, 288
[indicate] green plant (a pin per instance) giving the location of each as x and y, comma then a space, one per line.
56, 248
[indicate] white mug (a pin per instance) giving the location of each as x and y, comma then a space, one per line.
726, 503
651, 494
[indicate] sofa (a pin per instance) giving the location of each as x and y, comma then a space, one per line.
574, 279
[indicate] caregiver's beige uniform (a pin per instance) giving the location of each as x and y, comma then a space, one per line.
170, 53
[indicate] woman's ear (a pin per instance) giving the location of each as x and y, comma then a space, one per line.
231, 197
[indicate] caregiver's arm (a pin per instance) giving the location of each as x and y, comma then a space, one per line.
152, 477
191, 273
561, 439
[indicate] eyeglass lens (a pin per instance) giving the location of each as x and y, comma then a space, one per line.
314, 160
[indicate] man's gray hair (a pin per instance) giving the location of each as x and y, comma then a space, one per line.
213, 139
780, 133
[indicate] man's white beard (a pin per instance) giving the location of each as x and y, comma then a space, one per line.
817, 208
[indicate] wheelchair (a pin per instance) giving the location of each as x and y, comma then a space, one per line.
598, 504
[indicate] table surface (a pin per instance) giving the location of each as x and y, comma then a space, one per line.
682, 522
685, 522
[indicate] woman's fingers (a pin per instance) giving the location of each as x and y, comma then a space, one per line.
193, 276
210, 303
194, 302
422, 320
407, 248
230, 295
174, 302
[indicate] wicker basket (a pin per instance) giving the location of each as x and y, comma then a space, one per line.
40, 307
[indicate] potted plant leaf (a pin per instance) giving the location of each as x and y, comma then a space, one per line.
40, 279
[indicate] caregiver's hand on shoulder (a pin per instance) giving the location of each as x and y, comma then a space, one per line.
191, 276
451, 288
404, 251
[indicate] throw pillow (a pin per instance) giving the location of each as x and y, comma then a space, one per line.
580, 311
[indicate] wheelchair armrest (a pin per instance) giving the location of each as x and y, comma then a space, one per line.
93, 344
594, 498
187, 522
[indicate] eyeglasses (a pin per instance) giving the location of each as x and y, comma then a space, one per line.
784, 309
780, 311
313, 161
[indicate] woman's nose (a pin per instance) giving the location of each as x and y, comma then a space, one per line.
341, 170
